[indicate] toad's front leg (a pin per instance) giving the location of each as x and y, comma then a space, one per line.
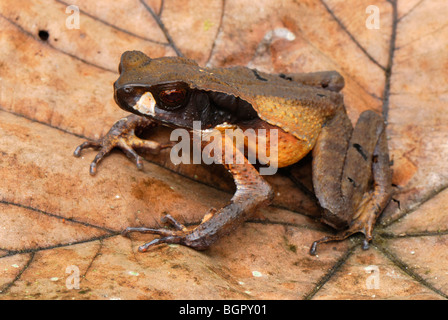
123, 135
252, 192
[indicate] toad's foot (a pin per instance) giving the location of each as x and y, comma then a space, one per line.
181, 235
364, 222
122, 135
339, 237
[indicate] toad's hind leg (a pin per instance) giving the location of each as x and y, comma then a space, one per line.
365, 178
252, 192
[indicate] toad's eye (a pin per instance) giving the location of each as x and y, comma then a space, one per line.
173, 98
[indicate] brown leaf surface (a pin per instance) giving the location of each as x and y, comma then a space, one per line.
56, 92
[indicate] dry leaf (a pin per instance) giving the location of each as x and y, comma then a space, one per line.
59, 223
